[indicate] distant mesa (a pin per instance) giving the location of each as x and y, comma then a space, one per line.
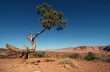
107, 48
11, 50
85, 49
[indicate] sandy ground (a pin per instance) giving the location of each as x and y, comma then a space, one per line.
18, 65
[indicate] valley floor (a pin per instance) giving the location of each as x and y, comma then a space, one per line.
18, 65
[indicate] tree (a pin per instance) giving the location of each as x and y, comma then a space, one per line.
50, 18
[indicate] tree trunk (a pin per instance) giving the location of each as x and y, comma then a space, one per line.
31, 37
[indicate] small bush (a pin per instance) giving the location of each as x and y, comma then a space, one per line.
107, 60
72, 55
3, 55
104, 59
40, 54
67, 62
49, 60
90, 56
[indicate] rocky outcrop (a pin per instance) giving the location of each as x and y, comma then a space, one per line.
106, 48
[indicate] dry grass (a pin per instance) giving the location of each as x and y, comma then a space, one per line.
68, 63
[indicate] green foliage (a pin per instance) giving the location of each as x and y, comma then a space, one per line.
90, 56
50, 17
72, 55
40, 54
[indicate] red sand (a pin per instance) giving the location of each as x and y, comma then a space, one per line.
18, 65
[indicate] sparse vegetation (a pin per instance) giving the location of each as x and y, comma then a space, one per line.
49, 60
72, 55
67, 62
3, 55
40, 54
104, 58
90, 56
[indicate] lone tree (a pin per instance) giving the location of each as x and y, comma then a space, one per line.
49, 18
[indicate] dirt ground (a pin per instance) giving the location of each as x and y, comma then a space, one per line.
18, 65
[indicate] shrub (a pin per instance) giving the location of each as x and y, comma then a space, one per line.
107, 59
67, 62
72, 55
49, 60
40, 54
104, 58
90, 56
3, 55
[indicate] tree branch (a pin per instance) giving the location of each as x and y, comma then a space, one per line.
37, 34
31, 37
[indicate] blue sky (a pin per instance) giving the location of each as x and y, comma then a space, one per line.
88, 23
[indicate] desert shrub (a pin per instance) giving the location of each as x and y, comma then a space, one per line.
67, 62
72, 55
3, 55
49, 60
32, 55
104, 58
90, 56
33, 61
40, 54
107, 59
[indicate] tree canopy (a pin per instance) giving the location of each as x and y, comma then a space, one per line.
50, 17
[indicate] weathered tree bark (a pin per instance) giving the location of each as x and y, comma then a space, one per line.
31, 37
23, 53
33, 42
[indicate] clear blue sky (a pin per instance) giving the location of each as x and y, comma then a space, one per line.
88, 23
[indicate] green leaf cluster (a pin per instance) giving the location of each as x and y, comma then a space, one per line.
50, 17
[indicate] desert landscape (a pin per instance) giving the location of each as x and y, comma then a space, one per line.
54, 35
60, 60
